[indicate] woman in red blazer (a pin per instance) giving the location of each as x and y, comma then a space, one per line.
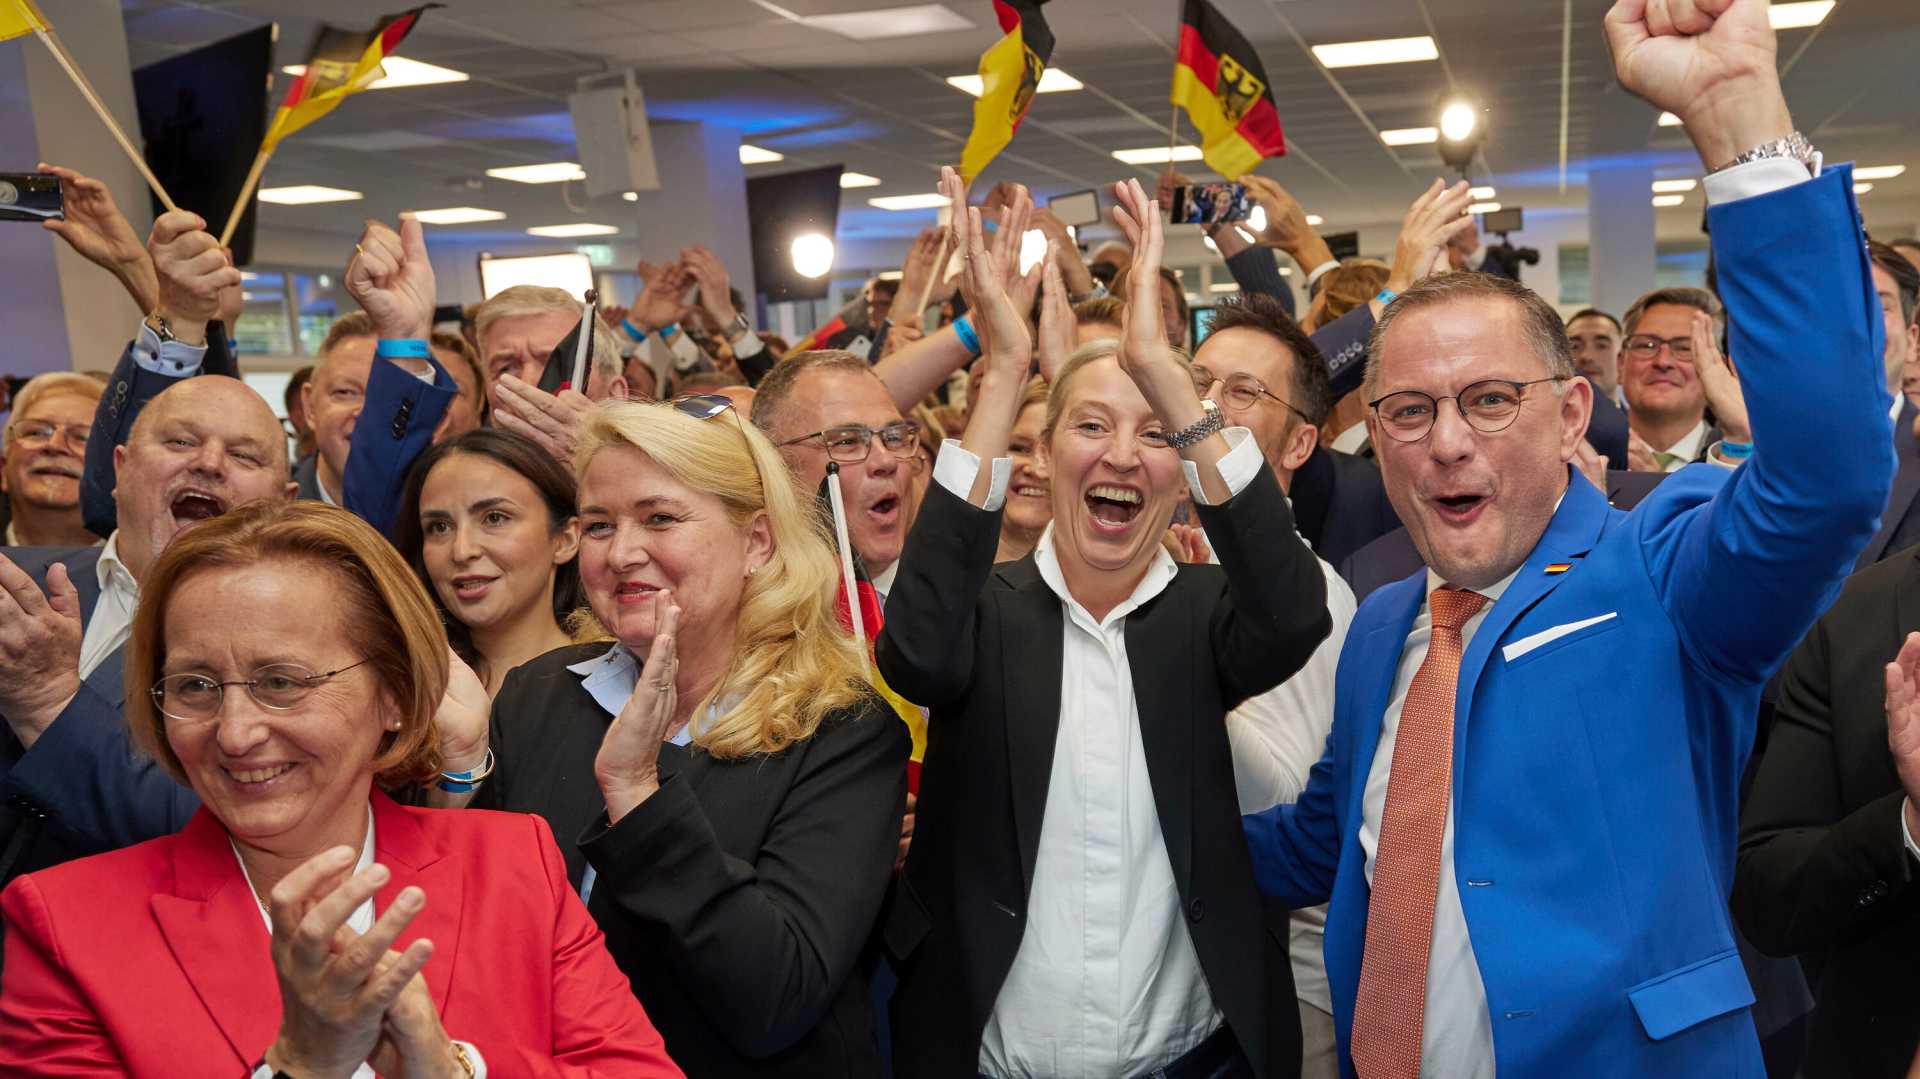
295, 661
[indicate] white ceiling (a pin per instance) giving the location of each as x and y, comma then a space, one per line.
882, 107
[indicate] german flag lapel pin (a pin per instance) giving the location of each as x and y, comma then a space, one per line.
1556, 568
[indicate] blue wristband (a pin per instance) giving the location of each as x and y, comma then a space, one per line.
1735, 451
401, 348
463, 782
1387, 296
668, 331
963, 328
633, 331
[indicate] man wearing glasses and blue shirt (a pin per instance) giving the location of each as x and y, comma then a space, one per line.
1527, 811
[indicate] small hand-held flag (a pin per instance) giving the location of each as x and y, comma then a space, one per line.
1009, 76
18, 18
1219, 80
343, 62
858, 606
574, 352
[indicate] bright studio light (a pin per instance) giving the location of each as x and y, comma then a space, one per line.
1457, 121
1257, 220
812, 255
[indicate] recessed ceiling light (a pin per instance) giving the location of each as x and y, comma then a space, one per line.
1315, 220
890, 22
1798, 15
552, 172
1227, 286
1484, 208
1052, 81
630, 196
1861, 189
1879, 172
1158, 155
754, 155
565, 231
1669, 200
1409, 136
457, 215
1670, 187
400, 71
302, 194
930, 201
1668, 119
1481, 193
858, 179
1396, 50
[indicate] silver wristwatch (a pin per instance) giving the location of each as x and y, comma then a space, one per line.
1200, 428
1794, 145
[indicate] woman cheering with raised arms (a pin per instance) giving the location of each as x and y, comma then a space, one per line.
1078, 876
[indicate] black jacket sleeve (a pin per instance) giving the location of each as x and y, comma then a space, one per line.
1274, 612
1813, 873
128, 391
1343, 342
1256, 270
764, 946
925, 650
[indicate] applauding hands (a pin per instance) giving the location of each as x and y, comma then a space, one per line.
1903, 724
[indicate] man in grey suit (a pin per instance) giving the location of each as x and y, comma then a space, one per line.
70, 783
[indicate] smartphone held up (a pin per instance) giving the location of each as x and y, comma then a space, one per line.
1209, 204
31, 196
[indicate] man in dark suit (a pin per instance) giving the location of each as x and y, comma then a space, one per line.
1897, 284
1824, 870
70, 783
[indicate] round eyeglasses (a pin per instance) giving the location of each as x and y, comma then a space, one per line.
277, 687
1488, 406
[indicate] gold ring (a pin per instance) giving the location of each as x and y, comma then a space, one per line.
662, 687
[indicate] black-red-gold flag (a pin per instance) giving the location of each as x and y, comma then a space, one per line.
1009, 76
1219, 80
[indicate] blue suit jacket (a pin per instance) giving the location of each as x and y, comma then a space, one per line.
83, 788
1596, 775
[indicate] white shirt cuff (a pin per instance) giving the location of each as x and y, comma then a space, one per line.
957, 468
176, 359
748, 346
1237, 468
1767, 175
1906, 831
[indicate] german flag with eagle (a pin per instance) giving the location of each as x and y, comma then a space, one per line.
1219, 80
1009, 76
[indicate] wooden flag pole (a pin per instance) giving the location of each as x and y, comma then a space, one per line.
80, 82
1173, 138
246, 192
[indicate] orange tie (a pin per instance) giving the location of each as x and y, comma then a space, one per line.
1390, 1015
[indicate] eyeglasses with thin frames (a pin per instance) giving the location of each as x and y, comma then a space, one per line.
43, 432
277, 687
1645, 346
1489, 406
1242, 391
853, 443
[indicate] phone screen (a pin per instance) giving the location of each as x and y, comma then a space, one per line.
1206, 204
30, 196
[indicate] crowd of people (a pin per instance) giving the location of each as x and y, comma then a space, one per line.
1419, 684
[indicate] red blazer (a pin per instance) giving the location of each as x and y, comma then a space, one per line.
154, 960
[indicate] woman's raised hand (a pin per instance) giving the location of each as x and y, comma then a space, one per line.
336, 985
1143, 338
990, 277
628, 765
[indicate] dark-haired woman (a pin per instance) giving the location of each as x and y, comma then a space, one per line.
487, 522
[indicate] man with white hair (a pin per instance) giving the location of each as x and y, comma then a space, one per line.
46, 445
517, 329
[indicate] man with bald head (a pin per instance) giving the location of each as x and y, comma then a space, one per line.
69, 783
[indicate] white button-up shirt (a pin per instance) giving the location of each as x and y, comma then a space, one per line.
112, 612
1106, 981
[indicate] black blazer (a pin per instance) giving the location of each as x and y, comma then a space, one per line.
1823, 872
1339, 503
981, 645
741, 898
1900, 525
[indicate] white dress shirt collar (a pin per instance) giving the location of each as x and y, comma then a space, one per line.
1160, 573
112, 617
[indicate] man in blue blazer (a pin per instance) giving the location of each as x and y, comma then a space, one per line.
1563, 908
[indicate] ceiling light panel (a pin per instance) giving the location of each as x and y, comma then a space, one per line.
858, 179
890, 22
306, 194
1410, 136
1669, 200
1673, 187
457, 215
1797, 16
1481, 194
398, 71
755, 155
909, 202
552, 172
569, 231
1398, 50
1668, 119
1052, 81
1879, 172
1158, 155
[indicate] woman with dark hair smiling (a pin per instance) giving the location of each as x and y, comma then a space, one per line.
487, 522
